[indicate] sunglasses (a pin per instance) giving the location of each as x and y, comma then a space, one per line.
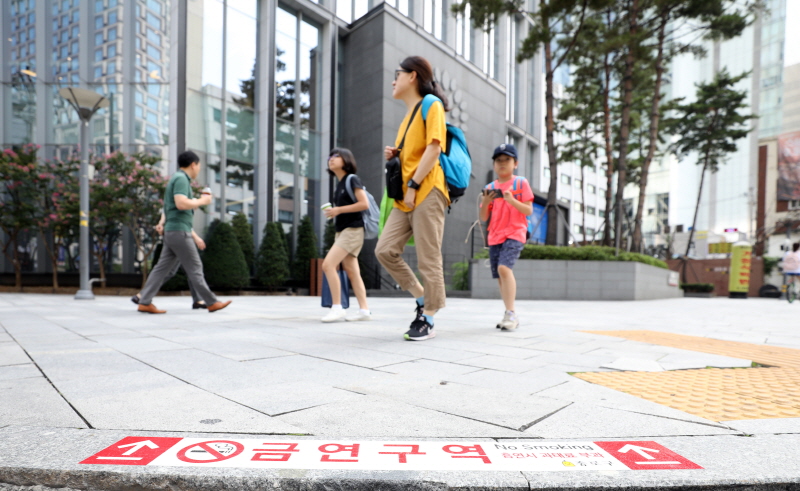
333, 156
398, 72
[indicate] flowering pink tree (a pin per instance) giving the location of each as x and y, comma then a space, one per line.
21, 182
108, 208
144, 199
60, 208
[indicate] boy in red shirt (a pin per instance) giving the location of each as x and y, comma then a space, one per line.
509, 201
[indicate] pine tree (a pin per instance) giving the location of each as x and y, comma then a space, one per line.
548, 29
711, 126
223, 262
244, 236
272, 262
306, 250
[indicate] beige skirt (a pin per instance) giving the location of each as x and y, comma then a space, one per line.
351, 240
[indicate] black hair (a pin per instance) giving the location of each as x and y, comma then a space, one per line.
425, 82
349, 160
795, 246
187, 158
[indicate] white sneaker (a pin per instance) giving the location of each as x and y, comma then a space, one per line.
359, 316
510, 322
336, 315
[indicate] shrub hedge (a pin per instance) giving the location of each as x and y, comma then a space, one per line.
585, 253
697, 287
223, 262
272, 262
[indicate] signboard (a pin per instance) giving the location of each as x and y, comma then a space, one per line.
720, 248
269, 453
739, 281
789, 166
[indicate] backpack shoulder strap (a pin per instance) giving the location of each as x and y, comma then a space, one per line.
427, 102
410, 120
349, 186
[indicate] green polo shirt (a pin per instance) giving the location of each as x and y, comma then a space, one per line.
178, 220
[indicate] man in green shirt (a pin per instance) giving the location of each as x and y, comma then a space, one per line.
179, 242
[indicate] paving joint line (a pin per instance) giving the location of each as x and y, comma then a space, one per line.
86, 421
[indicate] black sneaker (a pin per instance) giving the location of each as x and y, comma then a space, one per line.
199, 305
135, 299
420, 330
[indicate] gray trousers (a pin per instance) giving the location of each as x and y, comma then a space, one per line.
172, 273
179, 248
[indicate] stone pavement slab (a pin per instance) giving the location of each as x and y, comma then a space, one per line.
95, 372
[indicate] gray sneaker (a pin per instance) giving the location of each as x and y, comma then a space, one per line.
510, 322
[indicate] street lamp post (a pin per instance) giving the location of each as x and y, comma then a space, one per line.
86, 103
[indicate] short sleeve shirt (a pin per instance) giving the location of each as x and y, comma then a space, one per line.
342, 198
422, 133
506, 222
178, 220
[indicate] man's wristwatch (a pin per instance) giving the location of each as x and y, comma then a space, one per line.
412, 184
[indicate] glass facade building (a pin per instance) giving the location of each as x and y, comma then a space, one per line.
261, 90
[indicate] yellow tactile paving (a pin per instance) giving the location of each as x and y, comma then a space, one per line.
714, 394
762, 354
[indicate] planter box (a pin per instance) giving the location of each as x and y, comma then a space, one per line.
578, 280
698, 294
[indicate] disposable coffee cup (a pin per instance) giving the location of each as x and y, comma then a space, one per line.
325, 207
206, 190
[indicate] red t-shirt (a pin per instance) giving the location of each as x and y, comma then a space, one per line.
506, 222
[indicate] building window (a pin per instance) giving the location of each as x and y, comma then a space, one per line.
591, 210
590, 231
577, 206
547, 174
794, 204
578, 184
601, 213
566, 179
591, 189
563, 201
578, 229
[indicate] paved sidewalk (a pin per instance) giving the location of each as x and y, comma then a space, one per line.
76, 377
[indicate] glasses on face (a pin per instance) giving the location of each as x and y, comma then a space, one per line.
399, 71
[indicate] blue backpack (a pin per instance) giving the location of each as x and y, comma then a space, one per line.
371, 215
456, 161
517, 184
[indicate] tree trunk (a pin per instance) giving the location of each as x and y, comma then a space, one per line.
552, 199
609, 151
697, 205
17, 268
655, 115
624, 128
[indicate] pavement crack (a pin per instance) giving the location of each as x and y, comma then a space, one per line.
525, 427
85, 421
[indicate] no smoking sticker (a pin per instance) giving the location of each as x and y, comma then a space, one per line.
210, 452
267, 453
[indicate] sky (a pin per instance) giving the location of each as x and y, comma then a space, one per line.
792, 46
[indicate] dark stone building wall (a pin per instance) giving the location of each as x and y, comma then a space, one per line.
370, 117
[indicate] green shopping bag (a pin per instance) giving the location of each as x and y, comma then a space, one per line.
387, 204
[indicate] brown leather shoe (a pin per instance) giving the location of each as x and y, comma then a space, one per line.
218, 306
150, 309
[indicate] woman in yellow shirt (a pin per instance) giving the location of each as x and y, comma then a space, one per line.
421, 212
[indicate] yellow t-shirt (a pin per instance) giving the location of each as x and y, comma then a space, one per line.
420, 135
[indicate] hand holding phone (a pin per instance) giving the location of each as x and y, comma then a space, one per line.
493, 193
